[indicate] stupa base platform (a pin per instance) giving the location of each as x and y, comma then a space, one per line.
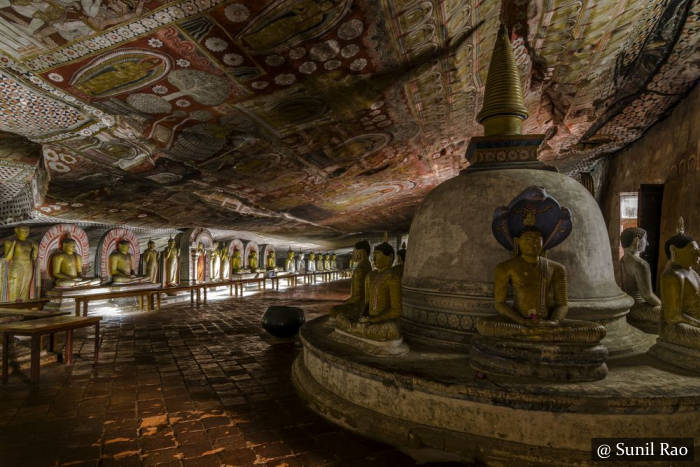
676, 355
434, 407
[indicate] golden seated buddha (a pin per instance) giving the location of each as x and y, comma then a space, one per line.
531, 336
236, 261
679, 336
121, 267
353, 307
67, 267
379, 321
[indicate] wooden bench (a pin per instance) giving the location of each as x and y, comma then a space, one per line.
239, 284
40, 327
290, 278
37, 304
29, 314
145, 297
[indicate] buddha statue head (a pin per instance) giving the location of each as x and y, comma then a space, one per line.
171, 242
383, 256
290, 254
312, 256
151, 245
68, 246
123, 247
237, 253
22, 232
361, 251
682, 250
634, 240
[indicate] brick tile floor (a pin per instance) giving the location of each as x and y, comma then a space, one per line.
181, 387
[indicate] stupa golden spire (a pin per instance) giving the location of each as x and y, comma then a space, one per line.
503, 110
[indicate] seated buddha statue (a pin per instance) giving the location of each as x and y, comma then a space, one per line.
636, 281
311, 266
150, 262
67, 267
289, 264
534, 323
121, 267
326, 262
236, 261
679, 332
379, 320
253, 261
271, 263
353, 307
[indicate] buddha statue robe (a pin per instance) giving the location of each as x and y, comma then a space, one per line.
201, 262
121, 266
20, 255
236, 262
150, 262
225, 265
311, 265
679, 332
253, 261
67, 267
172, 259
636, 281
290, 263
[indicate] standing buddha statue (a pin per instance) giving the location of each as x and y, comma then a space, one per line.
301, 263
312, 263
636, 281
215, 263
327, 262
200, 256
150, 262
679, 333
20, 255
334, 262
319, 262
172, 260
225, 263
289, 264
271, 263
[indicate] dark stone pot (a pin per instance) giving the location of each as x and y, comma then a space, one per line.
283, 321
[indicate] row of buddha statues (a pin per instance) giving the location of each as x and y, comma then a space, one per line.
530, 335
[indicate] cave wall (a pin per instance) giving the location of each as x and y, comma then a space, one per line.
667, 154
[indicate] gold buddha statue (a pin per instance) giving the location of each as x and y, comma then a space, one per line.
311, 267
225, 263
289, 264
679, 332
236, 261
355, 305
121, 267
636, 281
271, 263
534, 323
334, 262
150, 262
172, 260
382, 309
215, 263
20, 255
253, 260
319, 262
67, 267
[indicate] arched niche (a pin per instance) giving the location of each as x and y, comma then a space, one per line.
233, 245
250, 246
52, 241
108, 243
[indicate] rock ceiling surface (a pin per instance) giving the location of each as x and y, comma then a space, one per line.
307, 117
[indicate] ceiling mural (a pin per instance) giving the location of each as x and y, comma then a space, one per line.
313, 118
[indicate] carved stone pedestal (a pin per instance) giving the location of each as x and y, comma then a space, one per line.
390, 348
682, 357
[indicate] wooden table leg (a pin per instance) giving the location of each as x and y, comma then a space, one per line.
77, 307
6, 337
158, 300
69, 347
205, 295
85, 307
36, 350
191, 296
97, 341
199, 300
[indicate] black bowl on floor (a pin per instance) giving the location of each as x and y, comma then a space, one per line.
283, 321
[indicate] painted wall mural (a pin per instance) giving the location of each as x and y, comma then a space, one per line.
314, 118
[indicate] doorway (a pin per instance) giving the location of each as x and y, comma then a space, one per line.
650, 202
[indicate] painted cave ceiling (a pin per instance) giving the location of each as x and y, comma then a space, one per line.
316, 118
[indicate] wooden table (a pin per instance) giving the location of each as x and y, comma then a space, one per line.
30, 314
145, 297
37, 304
291, 280
238, 284
39, 327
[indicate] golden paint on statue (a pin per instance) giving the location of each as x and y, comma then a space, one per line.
319, 262
150, 262
172, 261
67, 267
679, 336
271, 263
121, 267
327, 262
382, 301
20, 255
253, 261
334, 262
236, 261
289, 264
355, 305
311, 267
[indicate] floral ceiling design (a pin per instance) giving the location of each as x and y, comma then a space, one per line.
308, 117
